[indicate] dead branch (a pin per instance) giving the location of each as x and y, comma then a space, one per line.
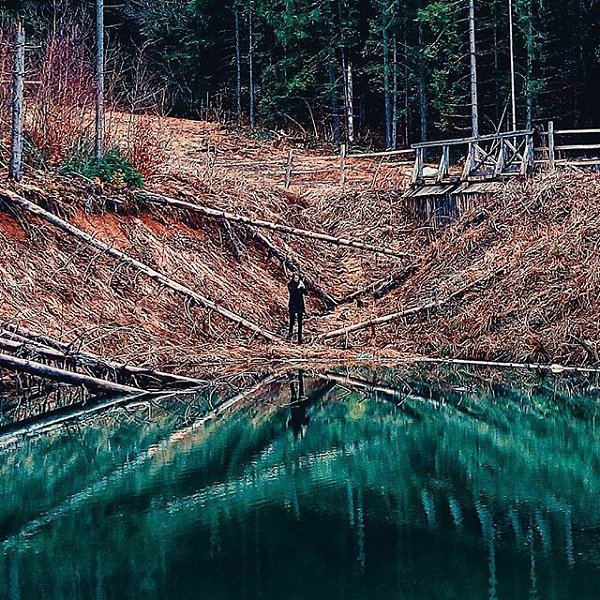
404, 313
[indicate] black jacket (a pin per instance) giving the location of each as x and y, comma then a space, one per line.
297, 294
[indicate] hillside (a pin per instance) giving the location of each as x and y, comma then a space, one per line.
521, 267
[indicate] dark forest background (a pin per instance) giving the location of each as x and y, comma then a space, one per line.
398, 68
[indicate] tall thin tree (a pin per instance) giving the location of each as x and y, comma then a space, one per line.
18, 93
251, 63
238, 66
99, 141
473, 61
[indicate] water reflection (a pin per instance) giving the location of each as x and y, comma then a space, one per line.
321, 485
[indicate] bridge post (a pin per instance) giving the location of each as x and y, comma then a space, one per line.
418, 168
468, 162
444, 166
551, 156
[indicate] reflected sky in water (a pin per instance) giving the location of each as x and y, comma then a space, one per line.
389, 484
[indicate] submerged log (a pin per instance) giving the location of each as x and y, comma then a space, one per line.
362, 384
25, 204
304, 233
21, 365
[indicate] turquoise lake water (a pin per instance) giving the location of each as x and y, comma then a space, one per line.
435, 486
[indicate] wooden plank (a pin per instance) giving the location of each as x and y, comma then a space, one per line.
579, 163
579, 147
418, 168
481, 138
501, 159
444, 165
576, 131
467, 168
380, 154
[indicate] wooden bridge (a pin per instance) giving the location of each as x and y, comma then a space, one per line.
503, 155
449, 174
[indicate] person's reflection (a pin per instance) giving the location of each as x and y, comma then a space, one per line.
298, 419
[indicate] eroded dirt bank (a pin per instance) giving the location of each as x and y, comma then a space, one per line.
515, 278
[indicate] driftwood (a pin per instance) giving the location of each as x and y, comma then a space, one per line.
553, 367
13, 363
134, 263
236, 218
25, 335
403, 313
291, 264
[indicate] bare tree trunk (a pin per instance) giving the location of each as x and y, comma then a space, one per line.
238, 66
335, 109
386, 73
349, 102
251, 64
513, 95
237, 218
40, 370
16, 153
422, 85
135, 264
99, 142
529, 72
406, 92
473, 57
395, 95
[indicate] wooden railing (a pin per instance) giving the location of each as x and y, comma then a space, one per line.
559, 148
486, 156
504, 154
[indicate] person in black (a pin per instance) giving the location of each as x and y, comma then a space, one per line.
297, 291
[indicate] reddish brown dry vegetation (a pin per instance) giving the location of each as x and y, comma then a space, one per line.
532, 249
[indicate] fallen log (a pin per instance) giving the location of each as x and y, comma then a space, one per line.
403, 313
291, 264
382, 287
134, 263
304, 233
21, 344
13, 363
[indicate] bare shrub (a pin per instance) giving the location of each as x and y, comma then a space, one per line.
60, 107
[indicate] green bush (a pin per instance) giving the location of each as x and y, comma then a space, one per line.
113, 167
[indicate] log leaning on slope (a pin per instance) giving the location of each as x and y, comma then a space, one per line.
13, 363
291, 264
136, 264
304, 233
403, 313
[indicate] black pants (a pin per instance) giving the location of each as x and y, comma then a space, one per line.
293, 314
